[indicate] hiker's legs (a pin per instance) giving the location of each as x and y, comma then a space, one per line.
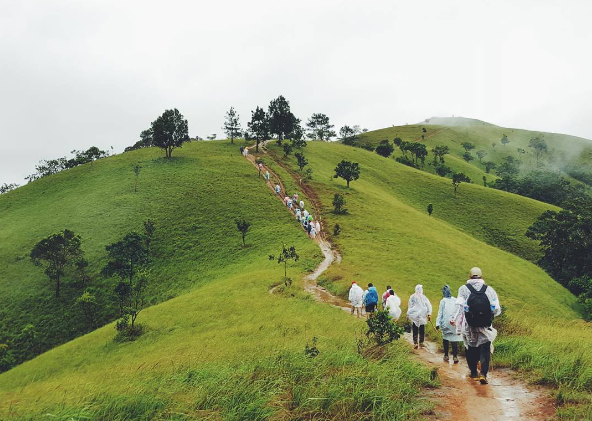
485, 351
421, 333
454, 349
472, 358
415, 330
445, 343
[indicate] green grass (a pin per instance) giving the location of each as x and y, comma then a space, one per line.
388, 238
225, 348
225, 322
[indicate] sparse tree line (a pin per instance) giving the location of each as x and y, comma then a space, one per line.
63, 259
53, 166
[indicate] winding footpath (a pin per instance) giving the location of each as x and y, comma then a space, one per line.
458, 398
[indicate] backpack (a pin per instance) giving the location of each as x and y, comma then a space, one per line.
479, 314
372, 297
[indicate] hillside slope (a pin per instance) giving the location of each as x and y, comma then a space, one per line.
562, 149
228, 349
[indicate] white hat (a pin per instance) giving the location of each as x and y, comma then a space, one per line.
475, 272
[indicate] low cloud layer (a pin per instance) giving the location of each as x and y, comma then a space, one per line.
76, 74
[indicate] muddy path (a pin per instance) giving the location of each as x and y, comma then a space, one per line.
458, 398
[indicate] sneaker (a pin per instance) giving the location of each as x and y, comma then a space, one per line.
474, 376
455, 359
415, 346
421, 345
483, 379
446, 358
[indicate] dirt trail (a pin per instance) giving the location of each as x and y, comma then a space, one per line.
459, 398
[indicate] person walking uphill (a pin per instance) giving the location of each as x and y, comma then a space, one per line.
370, 299
356, 297
419, 312
477, 304
446, 312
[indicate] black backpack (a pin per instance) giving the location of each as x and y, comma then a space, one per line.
479, 314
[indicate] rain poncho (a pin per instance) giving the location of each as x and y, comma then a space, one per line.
313, 232
305, 214
277, 188
318, 227
393, 305
446, 312
298, 215
302, 204
419, 307
475, 336
356, 295
267, 175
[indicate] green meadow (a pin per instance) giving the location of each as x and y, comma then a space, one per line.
217, 344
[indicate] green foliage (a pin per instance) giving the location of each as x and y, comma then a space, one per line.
285, 255
339, 204
467, 146
287, 149
409, 162
57, 252
489, 166
232, 126
170, 131
5, 188
258, 126
439, 153
385, 148
301, 159
88, 304
459, 178
504, 140
442, 170
481, 154
381, 328
312, 351
347, 170
6, 358
126, 256
539, 145
430, 209
349, 134
336, 230
281, 121
319, 127
565, 239
243, 226
468, 157
137, 169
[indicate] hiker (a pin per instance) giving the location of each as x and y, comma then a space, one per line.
477, 304
266, 175
313, 232
446, 311
385, 295
305, 215
393, 305
246, 151
318, 227
290, 204
242, 150
308, 227
370, 299
419, 312
298, 215
302, 204
260, 169
356, 295
295, 198
286, 200
277, 189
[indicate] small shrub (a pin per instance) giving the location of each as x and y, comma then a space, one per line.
339, 204
336, 229
406, 161
311, 351
381, 328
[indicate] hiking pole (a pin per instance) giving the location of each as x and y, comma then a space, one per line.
432, 323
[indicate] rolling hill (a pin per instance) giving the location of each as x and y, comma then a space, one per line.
225, 347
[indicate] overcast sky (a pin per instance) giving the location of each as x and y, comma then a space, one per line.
79, 73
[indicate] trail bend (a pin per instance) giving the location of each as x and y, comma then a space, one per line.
458, 398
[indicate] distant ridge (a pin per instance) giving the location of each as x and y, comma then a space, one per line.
455, 121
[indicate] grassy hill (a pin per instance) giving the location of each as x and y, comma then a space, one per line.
388, 238
226, 348
564, 150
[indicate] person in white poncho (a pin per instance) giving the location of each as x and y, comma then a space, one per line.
393, 305
356, 297
447, 311
419, 312
477, 305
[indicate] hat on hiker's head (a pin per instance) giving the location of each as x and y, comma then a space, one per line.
475, 272
353, 282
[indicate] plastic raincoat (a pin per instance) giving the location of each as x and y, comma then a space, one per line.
393, 305
356, 295
419, 307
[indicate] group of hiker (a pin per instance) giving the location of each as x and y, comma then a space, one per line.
310, 225
467, 318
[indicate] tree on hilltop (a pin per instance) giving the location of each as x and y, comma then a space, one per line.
385, 148
319, 127
258, 126
232, 126
280, 119
539, 145
439, 153
170, 131
504, 140
349, 134
302, 161
347, 170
